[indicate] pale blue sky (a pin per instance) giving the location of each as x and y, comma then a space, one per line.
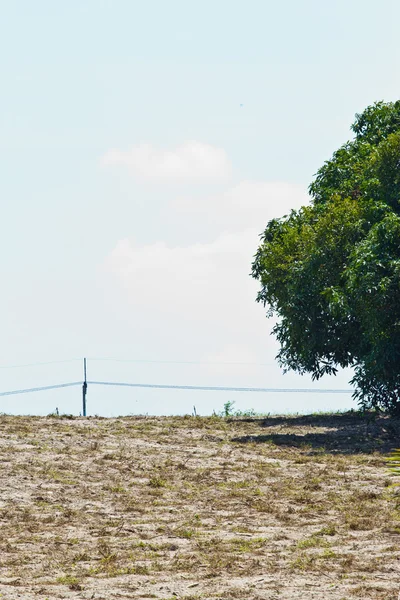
133, 182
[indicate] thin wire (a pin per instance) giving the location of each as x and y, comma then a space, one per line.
222, 389
39, 389
180, 362
52, 362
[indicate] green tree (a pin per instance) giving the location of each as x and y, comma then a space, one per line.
330, 271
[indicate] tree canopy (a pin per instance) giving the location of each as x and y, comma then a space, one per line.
330, 271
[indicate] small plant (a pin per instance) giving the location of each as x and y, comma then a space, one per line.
185, 533
328, 554
56, 414
328, 530
116, 489
312, 542
394, 462
228, 408
229, 411
157, 482
69, 580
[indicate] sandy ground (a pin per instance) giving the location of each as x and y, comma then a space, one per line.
198, 508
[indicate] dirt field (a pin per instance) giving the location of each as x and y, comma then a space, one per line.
194, 508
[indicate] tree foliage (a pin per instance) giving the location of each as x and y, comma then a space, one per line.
331, 270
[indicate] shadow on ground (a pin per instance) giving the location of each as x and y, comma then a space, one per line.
346, 433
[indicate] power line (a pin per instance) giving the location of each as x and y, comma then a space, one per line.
142, 361
39, 389
222, 389
179, 362
207, 388
52, 362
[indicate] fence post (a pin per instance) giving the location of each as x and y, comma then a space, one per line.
84, 389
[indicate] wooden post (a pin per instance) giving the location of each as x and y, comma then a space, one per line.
84, 389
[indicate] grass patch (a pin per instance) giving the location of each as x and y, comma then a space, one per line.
227, 504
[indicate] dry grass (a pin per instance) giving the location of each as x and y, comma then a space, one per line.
196, 508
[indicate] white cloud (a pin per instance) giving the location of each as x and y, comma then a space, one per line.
191, 161
199, 283
204, 289
195, 302
249, 204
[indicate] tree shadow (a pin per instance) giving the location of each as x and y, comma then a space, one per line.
343, 433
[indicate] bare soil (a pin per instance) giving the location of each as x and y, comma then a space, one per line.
281, 508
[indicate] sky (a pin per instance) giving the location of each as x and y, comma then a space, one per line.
144, 147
